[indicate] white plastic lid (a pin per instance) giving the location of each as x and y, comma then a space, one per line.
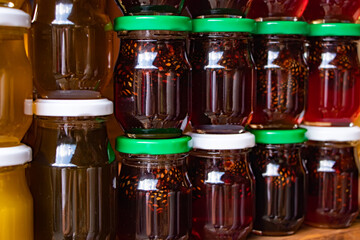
334, 134
73, 107
222, 141
12, 156
12, 17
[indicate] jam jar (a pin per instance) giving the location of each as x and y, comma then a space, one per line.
281, 74
218, 8
72, 177
334, 82
331, 158
152, 76
16, 85
332, 11
271, 10
150, 7
280, 178
154, 192
16, 202
223, 72
223, 186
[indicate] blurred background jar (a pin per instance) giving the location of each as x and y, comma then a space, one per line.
151, 7
218, 8
19, 4
71, 48
223, 74
16, 84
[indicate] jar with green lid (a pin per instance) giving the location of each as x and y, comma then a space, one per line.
152, 76
280, 178
154, 192
334, 82
223, 72
281, 74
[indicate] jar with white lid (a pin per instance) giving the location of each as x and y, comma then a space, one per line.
331, 157
223, 185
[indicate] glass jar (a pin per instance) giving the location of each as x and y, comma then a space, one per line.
152, 76
270, 10
331, 159
71, 176
15, 77
334, 81
331, 11
282, 74
16, 203
223, 72
150, 7
154, 193
71, 48
218, 8
223, 186
280, 178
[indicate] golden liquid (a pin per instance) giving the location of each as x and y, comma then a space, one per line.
15, 87
20, 4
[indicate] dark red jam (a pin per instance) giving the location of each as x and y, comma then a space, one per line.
333, 189
149, 7
277, 10
219, 8
332, 11
334, 81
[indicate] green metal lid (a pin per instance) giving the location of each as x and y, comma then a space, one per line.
153, 146
334, 29
282, 28
223, 25
279, 136
153, 22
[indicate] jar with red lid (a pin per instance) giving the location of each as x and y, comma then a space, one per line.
334, 81
331, 158
223, 185
152, 76
280, 181
281, 74
151, 7
218, 8
223, 72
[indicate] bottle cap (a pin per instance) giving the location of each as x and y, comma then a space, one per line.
279, 136
223, 25
73, 107
13, 156
222, 141
281, 28
153, 146
333, 134
12, 17
334, 29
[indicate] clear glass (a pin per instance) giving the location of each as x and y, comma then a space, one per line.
16, 204
280, 178
333, 192
152, 84
150, 7
281, 81
71, 48
334, 81
16, 87
223, 72
71, 179
154, 197
272, 10
218, 8
320, 11
223, 194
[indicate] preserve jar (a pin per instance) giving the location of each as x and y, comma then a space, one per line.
334, 81
218, 8
281, 74
71, 48
154, 193
223, 72
332, 11
280, 178
71, 176
151, 7
331, 157
270, 10
16, 85
16, 203
223, 186
152, 76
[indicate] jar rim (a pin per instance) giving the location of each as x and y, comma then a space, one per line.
289, 136
334, 29
281, 28
223, 25
11, 17
222, 141
16, 155
334, 134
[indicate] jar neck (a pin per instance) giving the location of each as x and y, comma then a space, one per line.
294, 43
219, 154
153, 35
11, 177
329, 144
153, 161
12, 33
289, 153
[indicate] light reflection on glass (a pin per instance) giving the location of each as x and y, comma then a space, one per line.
62, 12
64, 154
326, 166
271, 58
214, 58
272, 170
326, 59
147, 185
214, 177
145, 60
